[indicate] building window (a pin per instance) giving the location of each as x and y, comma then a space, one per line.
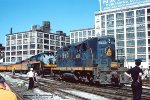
13, 59
19, 41
40, 35
51, 36
130, 35
32, 52
110, 24
119, 16
120, 43
32, 40
62, 44
130, 14
130, 29
84, 39
26, 35
39, 40
39, 46
57, 38
7, 59
130, 58
13, 47
102, 18
110, 31
103, 24
140, 20
72, 41
131, 50
110, 17
120, 30
140, 12
57, 43
19, 36
8, 38
19, 52
32, 46
80, 34
130, 21
7, 53
84, 33
25, 47
89, 33
119, 23
52, 42
7, 43
19, 47
46, 41
141, 34
143, 57
62, 38
76, 34
13, 53
46, 47
13, 37
13, 42
19, 59
93, 32
76, 40
25, 41
120, 36
25, 52
140, 27
80, 39
141, 50
141, 42
8, 48
130, 43
72, 35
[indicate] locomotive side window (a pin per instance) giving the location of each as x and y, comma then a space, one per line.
78, 47
84, 46
102, 42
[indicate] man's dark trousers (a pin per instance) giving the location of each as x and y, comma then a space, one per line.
137, 90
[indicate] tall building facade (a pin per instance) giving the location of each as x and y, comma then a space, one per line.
22, 45
2, 50
81, 35
129, 22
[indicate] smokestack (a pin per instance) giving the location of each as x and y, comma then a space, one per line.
11, 30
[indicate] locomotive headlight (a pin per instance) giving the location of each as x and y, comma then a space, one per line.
114, 65
109, 41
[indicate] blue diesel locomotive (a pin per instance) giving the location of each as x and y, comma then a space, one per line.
92, 60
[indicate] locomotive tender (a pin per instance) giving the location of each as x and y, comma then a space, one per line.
92, 60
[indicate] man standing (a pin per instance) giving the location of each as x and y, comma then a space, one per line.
5, 94
31, 79
136, 73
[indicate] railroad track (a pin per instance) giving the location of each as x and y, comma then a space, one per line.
19, 97
122, 93
55, 90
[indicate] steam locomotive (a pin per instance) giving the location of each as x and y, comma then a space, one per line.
92, 60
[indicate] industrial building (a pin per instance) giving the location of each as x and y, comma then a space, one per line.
22, 45
129, 22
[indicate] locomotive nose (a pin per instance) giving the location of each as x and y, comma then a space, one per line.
115, 78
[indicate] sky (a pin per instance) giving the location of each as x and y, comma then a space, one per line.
63, 15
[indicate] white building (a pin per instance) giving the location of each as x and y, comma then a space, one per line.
81, 35
129, 22
22, 45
